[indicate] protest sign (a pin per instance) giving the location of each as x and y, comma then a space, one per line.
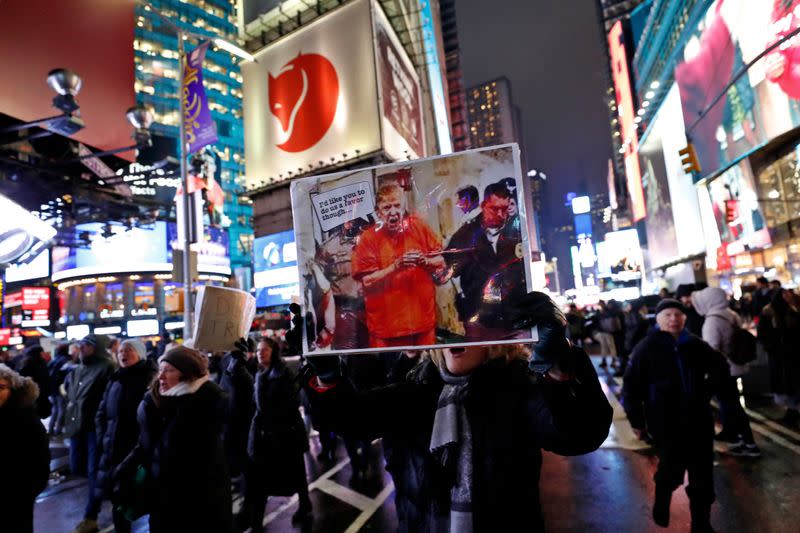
417, 254
222, 315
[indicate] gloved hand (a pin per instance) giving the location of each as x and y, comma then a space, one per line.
242, 345
326, 367
538, 309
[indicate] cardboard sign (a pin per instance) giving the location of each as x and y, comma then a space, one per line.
222, 315
418, 254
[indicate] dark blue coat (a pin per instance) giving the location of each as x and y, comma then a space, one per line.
115, 423
668, 387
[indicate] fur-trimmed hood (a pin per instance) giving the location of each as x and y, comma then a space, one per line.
24, 391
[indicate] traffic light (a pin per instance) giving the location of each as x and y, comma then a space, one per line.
689, 159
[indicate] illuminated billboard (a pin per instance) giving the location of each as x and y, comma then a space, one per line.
620, 255
311, 98
625, 110
38, 267
145, 249
336, 89
275, 274
758, 106
673, 212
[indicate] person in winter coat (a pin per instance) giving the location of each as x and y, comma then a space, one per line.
694, 320
180, 445
87, 382
608, 326
276, 443
24, 448
666, 393
237, 382
117, 429
34, 365
56, 371
779, 332
718, 326
467, 425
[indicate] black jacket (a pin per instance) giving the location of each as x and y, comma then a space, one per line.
115, 423
26, 460
34, 366
180, 444
277, 425
85, 386
513, 415
477, 264
668, 387
237, 382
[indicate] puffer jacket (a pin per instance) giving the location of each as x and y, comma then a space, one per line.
668, 386
116, 425
513, 415
87, 383
25, 452
720, 321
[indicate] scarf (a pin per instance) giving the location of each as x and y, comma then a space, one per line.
186, 387
451, 445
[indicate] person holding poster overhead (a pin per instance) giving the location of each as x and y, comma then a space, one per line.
397, 260
466, 426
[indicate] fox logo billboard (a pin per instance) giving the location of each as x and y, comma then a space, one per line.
303, 97
326, 93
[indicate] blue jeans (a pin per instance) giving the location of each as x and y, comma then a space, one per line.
83, 459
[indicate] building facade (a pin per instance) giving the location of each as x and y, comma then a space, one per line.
157, 86
716, 76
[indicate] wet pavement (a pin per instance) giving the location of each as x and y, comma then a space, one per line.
608, 490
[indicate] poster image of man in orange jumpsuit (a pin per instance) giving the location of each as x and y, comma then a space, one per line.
397, 260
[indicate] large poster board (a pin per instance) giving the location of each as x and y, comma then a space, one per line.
413, 255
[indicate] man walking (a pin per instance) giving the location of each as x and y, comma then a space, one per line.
86, 385
667, 393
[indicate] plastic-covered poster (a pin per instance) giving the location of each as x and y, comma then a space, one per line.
413, 255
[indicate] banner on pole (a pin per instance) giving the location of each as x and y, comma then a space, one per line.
199, 126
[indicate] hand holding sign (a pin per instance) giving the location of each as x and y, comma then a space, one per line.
223, 316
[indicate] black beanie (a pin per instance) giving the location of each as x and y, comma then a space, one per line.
670, 303
191, 363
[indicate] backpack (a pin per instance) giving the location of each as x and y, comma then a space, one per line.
743, 346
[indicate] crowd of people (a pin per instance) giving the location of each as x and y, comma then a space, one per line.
162, 435
173, 437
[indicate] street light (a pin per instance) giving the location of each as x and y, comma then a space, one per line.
66, 84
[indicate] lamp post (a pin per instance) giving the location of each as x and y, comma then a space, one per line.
183, 152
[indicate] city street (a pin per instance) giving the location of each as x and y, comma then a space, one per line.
608, 490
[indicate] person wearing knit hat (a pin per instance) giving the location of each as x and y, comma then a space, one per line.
117, 427
670, 303
666, 394
191, 363
181, 422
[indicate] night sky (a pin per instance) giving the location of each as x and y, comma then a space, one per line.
551, 52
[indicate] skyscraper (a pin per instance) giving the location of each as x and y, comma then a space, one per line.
157, 86
491, 113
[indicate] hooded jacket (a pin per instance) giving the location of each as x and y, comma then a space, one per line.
720, 320
34, 366
24, 448
87, 382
